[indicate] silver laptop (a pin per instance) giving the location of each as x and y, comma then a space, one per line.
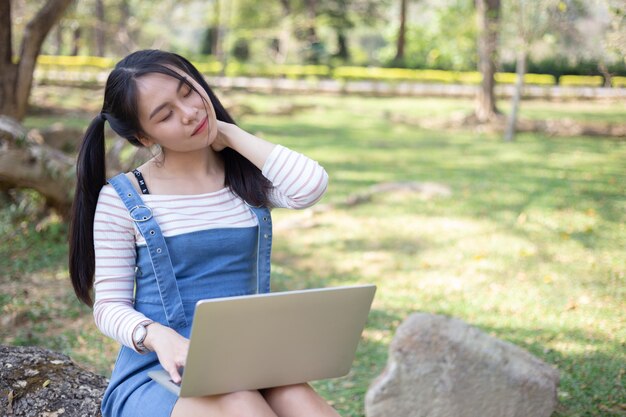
269, 340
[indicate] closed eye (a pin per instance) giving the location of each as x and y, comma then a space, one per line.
188, 93
167, 117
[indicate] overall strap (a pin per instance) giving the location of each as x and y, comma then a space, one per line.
264, 248
159, 255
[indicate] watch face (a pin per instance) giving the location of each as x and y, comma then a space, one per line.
140, 334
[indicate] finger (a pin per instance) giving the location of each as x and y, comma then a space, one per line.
181, 359
174, 374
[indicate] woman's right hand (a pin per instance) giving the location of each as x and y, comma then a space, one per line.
171, 348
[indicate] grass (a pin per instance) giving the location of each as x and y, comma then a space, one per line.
529, 246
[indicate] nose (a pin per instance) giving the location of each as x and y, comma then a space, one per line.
188, 113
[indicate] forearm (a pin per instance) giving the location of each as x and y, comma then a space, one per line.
298, 181
117, 319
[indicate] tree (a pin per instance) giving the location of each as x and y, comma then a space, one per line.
529, 22
488, 16
100, 28
16, 77
609, 44
345, 15
24, 160
401, 33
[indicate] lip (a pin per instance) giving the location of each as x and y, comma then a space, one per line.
201, 126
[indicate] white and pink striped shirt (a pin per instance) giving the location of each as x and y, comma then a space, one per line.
299, 182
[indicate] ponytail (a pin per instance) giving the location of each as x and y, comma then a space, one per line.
91, 177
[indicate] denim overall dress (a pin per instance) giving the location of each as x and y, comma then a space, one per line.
172, 274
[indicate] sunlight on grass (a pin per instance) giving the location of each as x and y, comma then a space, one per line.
529, 246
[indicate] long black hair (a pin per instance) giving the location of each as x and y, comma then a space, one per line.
120, 109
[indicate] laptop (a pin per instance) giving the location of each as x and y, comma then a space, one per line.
269, 340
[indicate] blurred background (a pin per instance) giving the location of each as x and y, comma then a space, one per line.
476, 152
566, 37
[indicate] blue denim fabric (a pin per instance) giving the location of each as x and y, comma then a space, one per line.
173, 273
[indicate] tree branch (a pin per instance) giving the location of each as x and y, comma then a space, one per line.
28, 163
34, 34
37, 29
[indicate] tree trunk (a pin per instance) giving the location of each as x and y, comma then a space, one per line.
223, 17
76, 41
100, 27
311, 7
605, 73
125, 33
28, 163
39, 382
509, 135
58, 40
216, 42
285, 36
488, 15
32, 161
342, 43
401, 33
16, 78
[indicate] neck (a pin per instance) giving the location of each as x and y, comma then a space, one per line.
189, 165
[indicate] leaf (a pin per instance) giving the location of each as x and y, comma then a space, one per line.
46, 383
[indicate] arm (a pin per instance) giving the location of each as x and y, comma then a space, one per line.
298, 181
114, 314
114, 245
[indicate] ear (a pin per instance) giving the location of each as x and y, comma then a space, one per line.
145, 141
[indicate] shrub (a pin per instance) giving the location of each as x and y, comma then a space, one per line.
581, 80
618, 82
76, 61
531, 79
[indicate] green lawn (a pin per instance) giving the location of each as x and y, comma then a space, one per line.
529, 246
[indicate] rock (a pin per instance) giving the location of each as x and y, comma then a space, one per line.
442, 367
38, 382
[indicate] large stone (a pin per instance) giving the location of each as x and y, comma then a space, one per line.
38, 382
442, 367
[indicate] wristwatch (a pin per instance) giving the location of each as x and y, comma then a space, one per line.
139, 335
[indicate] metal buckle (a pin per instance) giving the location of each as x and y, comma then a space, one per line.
143, 218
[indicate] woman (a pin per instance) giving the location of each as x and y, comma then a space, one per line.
188, 224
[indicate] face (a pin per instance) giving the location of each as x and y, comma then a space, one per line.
173, 115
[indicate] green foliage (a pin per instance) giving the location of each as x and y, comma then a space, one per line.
241, 50
543, 217
444, 39
558, 66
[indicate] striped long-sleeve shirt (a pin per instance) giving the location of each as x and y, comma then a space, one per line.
298, 183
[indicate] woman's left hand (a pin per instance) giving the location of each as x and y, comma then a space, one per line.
224, 132
254, 149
